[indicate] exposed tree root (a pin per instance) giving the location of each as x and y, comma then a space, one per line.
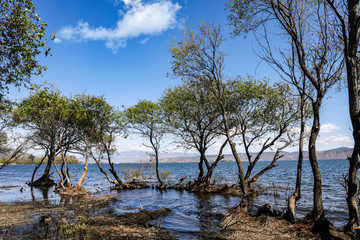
71, 191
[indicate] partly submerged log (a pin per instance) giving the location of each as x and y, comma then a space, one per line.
133, 184
44, 181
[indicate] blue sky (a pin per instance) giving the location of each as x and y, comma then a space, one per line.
119, 48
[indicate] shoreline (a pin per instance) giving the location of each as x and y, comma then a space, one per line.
91, 218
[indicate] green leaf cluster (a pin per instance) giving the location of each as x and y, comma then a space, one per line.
22, 39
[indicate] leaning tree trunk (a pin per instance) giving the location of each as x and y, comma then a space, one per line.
66, 169
46, 173
82, 178
36, 168
211, 168
241, 176
157, 169
317, 212
296, 196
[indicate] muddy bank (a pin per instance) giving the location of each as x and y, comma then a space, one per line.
270, 225
83, 218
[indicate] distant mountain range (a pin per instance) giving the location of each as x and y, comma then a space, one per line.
141, 156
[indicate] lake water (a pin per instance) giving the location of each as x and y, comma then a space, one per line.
194, 214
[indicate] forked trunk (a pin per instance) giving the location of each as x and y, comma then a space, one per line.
241, 176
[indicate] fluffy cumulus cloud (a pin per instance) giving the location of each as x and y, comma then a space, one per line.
328, 128
137, 18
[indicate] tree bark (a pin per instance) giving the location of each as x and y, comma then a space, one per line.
296, 196
82, 178
201, 167
37, 167
157, 169
112, 169
317, 212
241, 176
354, 109
350, 33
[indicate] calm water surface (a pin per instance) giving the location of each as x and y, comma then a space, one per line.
194, 214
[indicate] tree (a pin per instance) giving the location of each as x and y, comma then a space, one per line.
198, 59
348, 29
43, 114
84, 112
145, 118
193, 117
262, 116
307, 25
7, 141
284, 62
22, 38
109, 123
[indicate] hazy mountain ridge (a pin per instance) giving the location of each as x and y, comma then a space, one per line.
179, 157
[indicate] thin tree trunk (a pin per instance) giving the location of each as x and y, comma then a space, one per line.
101, 169
66, 173
236, 155
82, 178
37, 167
210, 169
46, 173
317, 212
60, 175
157, 169
290, 214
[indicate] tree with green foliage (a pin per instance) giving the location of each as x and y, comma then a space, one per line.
8, 138
22, 39
250, 109
44, 114
146, 119
194, 118
84, 111
262, 116
198, 59
306, 25
109, 123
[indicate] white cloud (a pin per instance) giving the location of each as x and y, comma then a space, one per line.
138, 19
328, 128
341, 140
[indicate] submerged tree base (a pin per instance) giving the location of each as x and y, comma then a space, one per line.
133, 184
71, 191
205, 187
44, 181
